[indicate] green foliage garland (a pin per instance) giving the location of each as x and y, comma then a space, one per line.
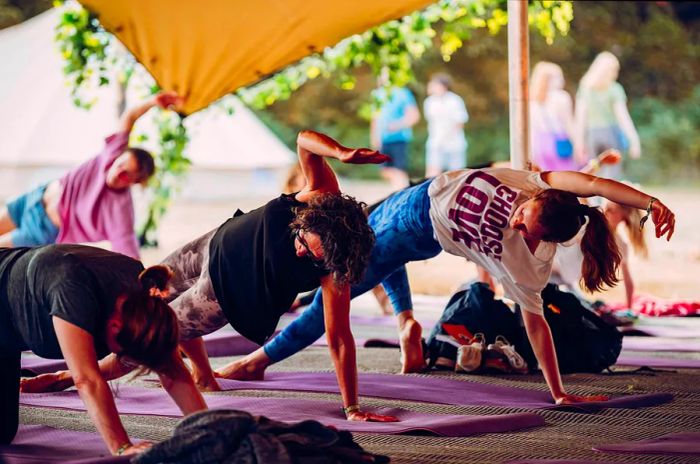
396, 45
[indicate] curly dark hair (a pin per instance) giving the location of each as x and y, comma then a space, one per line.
347, 240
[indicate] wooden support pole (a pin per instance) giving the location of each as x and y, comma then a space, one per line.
518, 72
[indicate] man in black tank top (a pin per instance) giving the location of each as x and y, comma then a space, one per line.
249, 270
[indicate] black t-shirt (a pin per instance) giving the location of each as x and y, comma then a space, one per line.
254, 268
79, 284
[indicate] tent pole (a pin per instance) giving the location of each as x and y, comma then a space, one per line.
518, 71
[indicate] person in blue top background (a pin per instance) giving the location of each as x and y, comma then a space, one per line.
391, 130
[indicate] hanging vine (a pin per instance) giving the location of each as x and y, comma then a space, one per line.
91, 55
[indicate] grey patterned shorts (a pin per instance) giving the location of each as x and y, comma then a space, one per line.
192, 295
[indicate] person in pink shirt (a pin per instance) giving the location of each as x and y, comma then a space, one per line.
90, 203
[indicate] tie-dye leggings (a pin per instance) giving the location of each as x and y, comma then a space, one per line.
192, 295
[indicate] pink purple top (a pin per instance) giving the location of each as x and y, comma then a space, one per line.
91, 211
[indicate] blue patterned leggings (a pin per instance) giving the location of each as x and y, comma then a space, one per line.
404, 233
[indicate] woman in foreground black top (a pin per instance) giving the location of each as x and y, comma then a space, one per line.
249, 270
81, 303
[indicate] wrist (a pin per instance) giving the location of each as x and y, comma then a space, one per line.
654, 204
350, 410
122, 448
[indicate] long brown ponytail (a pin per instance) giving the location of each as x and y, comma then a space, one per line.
601, 256
150, 332
562, 216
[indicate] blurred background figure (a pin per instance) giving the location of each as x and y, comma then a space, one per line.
391, 130
602, 119
446, 114
552, 119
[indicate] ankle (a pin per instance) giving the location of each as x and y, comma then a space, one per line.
405, 318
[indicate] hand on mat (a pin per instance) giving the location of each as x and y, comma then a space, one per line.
53, 382
207, 384
139, 447
664, 219
363, 416
363, 156
573, 399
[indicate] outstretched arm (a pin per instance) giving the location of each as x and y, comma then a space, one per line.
336, 304
201, 369
543, 346
628, 280
313, 147
162, 99
585, 185
78, 349
177, 381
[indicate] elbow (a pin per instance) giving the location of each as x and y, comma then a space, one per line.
89, 383
338, 343
303, 136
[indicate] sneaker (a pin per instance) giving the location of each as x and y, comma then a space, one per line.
496, 361
469, 356
507, 352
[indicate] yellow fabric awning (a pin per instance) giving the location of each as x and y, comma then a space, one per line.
207, 49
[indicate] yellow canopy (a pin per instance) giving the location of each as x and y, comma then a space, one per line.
206, 49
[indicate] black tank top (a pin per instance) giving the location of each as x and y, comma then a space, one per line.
254, 268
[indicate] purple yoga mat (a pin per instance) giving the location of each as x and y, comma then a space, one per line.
155, 402
659, 344
42, 365
40, 444
435, 389
385, 321
627, 359
672, 443
556, 461
662, 331
226, 342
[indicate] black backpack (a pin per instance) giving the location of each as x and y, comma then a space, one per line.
477, 310
583, 341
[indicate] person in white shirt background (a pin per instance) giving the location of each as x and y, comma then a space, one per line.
446, 114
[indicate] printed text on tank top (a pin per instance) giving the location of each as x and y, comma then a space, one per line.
478, 220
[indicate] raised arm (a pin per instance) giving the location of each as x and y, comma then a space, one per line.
162, 99
586, 185
313, 147
79, 352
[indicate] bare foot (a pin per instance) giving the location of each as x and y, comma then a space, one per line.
52, 382
241, 370
412, 359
